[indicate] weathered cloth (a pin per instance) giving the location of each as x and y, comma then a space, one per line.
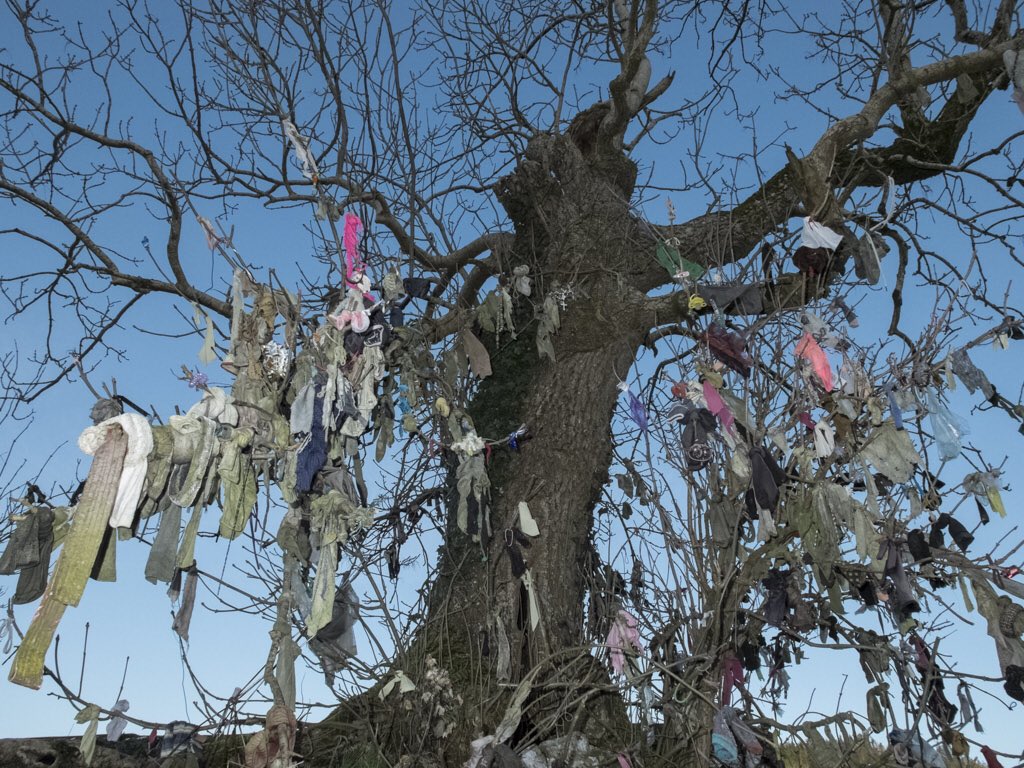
28, 554
133, 474
76, 559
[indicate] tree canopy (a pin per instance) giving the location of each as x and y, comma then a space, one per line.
622, 359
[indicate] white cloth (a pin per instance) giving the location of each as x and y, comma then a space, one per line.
117, 724
216, 405
136, 462
816, 235
824, 439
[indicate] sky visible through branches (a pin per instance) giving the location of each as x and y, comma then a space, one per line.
129, 637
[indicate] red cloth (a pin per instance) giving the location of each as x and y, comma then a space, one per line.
811, 351
732, 673
990, 758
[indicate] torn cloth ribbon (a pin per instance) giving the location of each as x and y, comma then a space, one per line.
28, 553
718, 407
1001, 614
1014, 63
728, 734
960, 534
117, 724
183, 618
335, 642
217, 405
867, 257
940, 707
809, 349
197, 438
776, 604
636, 409
354, 267
891, 452
734, 299
275, 745
728, 347
972, 376
991, 760
622, 637
313, 454
238, 481
824, 439
300, 145
813, 261
766, 479
892, 554
732, 675
77, 558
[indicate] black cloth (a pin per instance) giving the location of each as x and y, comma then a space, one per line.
961, 536
941, 708
396, 317
354, 343
729, 347
776, 604
869, 251
313, 456
918, 546
699, 425
417, 287
1014, 685
735, 299
750, 654
28, 554
868, 593
905, 602
765, 480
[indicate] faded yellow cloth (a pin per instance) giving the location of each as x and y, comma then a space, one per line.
238, 481
77, 558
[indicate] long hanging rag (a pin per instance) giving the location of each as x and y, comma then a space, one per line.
28, 554
77, 557
133, 473
810, 350
718, 407
355, 269
622, 637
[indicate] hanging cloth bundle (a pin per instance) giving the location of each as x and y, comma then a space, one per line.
77, 557
28, 553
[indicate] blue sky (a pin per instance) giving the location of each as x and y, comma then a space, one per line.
131, 619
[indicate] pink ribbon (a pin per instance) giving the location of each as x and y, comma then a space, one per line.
353, 264
351, 240
621, 636
359, 320
810, 350
718, 407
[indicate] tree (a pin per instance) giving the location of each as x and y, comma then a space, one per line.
500, 159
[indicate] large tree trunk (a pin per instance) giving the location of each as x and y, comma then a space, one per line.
574, 229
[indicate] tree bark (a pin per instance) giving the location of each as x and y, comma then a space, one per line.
574, 229
62, 752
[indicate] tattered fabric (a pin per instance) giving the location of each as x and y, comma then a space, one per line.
28, 554
140, 444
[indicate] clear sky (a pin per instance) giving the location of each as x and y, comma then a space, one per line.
129, 633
